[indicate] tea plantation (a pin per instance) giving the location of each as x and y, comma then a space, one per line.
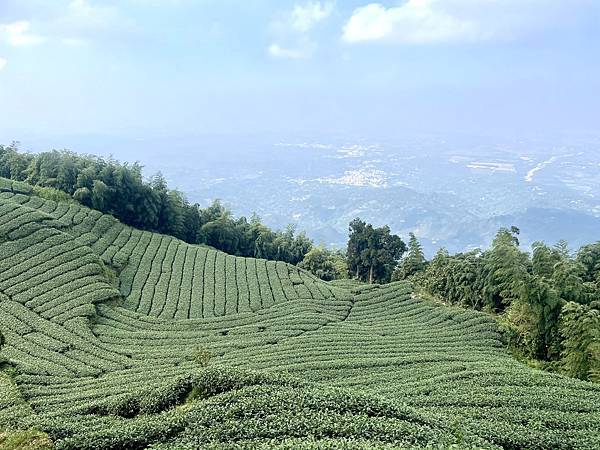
120, 338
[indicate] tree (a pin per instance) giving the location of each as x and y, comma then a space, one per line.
545, 259
505, 270
373, 253
357, 242
589, 257
568, 282
13, 164
100, 195
456, 279
532, 320
413, 262
191, 223
171, 203
325, 264
580, 329
436, 280
221, 234
291, 248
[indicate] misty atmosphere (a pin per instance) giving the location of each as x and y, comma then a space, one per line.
452, 190
312, 224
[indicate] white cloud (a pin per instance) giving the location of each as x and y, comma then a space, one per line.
276, 51
76, 24
451, 21
292, 29
17, 34
304, 17
84, 21
3, 63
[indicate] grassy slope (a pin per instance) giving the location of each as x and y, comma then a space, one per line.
102, 322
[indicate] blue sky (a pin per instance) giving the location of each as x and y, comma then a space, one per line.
152, 67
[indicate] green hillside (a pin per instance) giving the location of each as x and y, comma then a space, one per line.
120, 338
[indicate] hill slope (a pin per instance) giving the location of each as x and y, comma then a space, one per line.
105, 326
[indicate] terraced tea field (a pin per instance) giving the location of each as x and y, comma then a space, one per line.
108, 329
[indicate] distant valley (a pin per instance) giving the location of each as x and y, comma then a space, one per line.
451, 190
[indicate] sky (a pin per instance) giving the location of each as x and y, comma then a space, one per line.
183, 67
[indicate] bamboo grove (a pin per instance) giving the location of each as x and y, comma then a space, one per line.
548, 302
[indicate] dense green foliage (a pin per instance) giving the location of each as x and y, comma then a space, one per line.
326, 264
548, 300
119, 189
373, 253
121, 338
414, 261
580, 330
